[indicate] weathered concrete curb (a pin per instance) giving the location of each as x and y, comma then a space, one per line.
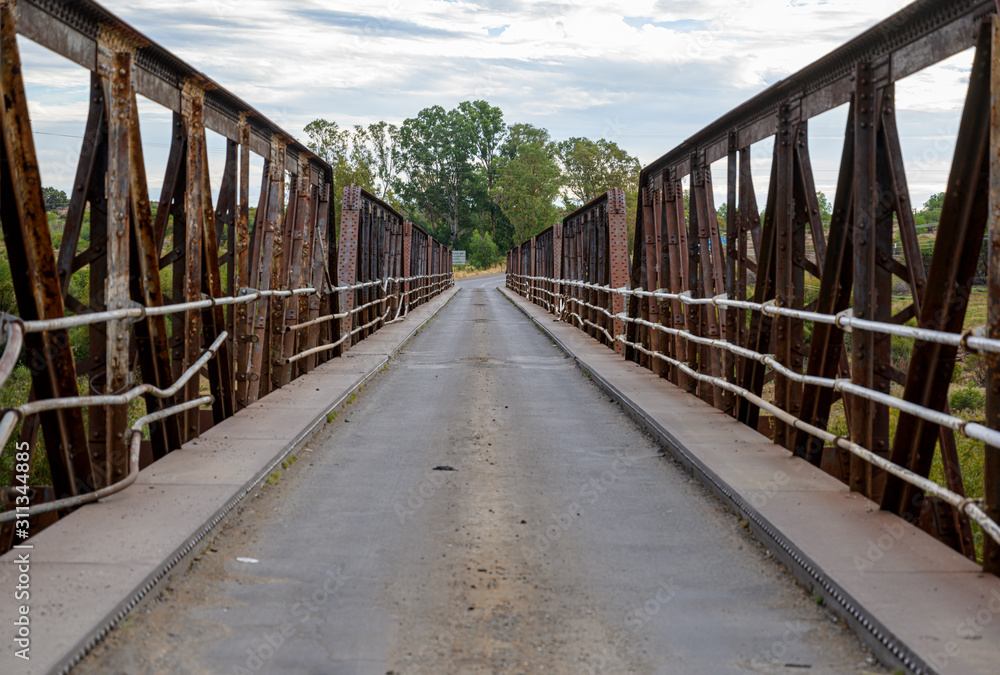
919, 605
89, 570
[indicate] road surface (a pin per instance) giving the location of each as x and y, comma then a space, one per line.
482, 507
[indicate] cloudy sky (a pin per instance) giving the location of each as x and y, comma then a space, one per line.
644, 73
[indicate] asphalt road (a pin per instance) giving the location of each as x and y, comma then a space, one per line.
482, 507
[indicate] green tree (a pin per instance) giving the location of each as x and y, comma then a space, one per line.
720, 215
376, 146
528, 181
54, 199
825, 208
931, 213
483, 252
935, 202
590, 168
439, 181
488, 132
336, 146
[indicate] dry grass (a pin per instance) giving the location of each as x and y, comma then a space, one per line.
469, 271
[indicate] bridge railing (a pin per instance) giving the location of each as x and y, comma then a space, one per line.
394, 266
726, 315
189, 311
585, 248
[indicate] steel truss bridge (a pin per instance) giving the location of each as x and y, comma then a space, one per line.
201, 311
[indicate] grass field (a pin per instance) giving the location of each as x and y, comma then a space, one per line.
467, 271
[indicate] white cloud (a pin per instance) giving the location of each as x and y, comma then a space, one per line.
647, 72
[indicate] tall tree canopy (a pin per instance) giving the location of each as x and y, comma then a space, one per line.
591, 168
435, 149
377, 147
468, 177
528, 181
487, 133
338, 148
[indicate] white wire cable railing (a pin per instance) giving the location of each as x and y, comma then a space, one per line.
13, 415
972, 340
13, 330
134, 448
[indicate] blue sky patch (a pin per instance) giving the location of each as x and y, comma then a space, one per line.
374, 26
681, 26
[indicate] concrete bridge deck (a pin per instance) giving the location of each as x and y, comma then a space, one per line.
484, 505
483, 508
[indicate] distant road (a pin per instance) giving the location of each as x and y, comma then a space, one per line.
482, 282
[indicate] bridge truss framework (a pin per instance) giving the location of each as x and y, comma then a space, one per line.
725, 314
190, 304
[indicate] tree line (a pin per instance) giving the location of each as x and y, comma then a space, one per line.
471, 179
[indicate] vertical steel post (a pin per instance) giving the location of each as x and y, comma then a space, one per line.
677, 254
649, 237
618, 258
116, 64
33, 272
241, 266
865, 202
710, 281
408, 263
732, 264
347, 260
189, 284
557, 252
268, 224
785, 286
991, 480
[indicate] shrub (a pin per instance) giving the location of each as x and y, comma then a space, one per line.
967, 398
900, 350
8, 303
975, 365
482, 251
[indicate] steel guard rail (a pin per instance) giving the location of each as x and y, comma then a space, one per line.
186, 297
723, 317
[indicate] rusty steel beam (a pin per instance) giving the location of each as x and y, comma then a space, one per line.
33, 272
963, 223
676, 234
210, 249
827, 346
919, 35
151, 333
347, 261
991, 480
759, 335
733, 250
646, 235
